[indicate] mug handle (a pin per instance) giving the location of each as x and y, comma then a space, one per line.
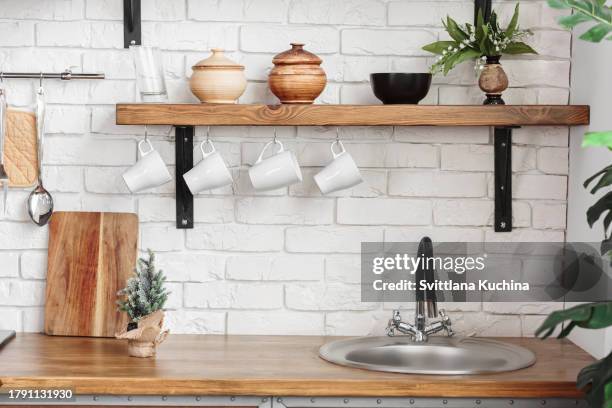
212, 148
143, 153
342, 149
282, 149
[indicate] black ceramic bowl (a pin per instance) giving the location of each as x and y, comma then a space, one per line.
400, 88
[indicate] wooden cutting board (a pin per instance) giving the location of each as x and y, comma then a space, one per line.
91, 256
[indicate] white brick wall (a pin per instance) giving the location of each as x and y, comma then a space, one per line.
286, 261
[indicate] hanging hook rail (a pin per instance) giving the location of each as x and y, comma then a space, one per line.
65, 76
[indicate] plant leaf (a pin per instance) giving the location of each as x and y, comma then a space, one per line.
557, 4
604, 181
598, 376
597, 33
459, 57
597, 139
518, 48
594, 10
439, 46
573, 20
587, 316
455, 31
596, 210
606, 246
579, 313
513, 22
594, 176
607, 222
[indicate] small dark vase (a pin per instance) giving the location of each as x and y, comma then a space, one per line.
493, 81
132, 326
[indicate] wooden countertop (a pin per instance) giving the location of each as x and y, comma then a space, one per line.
263, 365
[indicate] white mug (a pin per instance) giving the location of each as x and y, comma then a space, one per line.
340, 174
210, 173
279, 170
148, 172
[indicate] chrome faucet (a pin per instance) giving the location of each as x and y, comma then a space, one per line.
426, 304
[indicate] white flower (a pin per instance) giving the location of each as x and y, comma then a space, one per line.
444, 52
462, 46
497, 49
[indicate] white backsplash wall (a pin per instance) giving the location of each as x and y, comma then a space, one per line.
282, 262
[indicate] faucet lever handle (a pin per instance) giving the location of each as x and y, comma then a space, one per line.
393, 322
446, 323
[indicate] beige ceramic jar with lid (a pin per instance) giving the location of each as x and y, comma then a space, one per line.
217, 79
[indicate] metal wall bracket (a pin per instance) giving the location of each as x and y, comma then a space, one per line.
485, 6
184, 163
131, 23
503, 178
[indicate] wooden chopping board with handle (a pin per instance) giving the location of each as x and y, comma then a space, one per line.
91, 256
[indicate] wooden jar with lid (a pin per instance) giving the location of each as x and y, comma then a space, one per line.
297, 77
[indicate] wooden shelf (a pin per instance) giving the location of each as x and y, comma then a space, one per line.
351, 115
501, 117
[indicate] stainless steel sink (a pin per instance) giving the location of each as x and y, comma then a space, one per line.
439, 355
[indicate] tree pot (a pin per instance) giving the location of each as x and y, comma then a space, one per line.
493, 81
144, 339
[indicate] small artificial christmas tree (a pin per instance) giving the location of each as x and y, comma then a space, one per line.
145, 292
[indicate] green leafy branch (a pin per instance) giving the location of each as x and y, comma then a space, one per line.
599, 374
473, 42
596, 378
586, 10
602, 179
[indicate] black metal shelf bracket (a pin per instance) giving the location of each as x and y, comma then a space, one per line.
131, 23
503, 178
184, 162
485, 6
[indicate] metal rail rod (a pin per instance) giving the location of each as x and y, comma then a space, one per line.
65, 76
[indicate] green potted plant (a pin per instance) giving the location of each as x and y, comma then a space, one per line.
596, 378
486, 42
143, 300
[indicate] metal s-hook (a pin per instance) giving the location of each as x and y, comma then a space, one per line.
146, 135
337, 134
208, 134
41, 90
275, 137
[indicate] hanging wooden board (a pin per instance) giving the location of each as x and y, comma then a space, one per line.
91, 256
21, 148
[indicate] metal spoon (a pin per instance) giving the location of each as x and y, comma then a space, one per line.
40, 202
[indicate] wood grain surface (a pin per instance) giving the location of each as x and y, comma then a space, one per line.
91, 256
21, 148
351, 115
264, 365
